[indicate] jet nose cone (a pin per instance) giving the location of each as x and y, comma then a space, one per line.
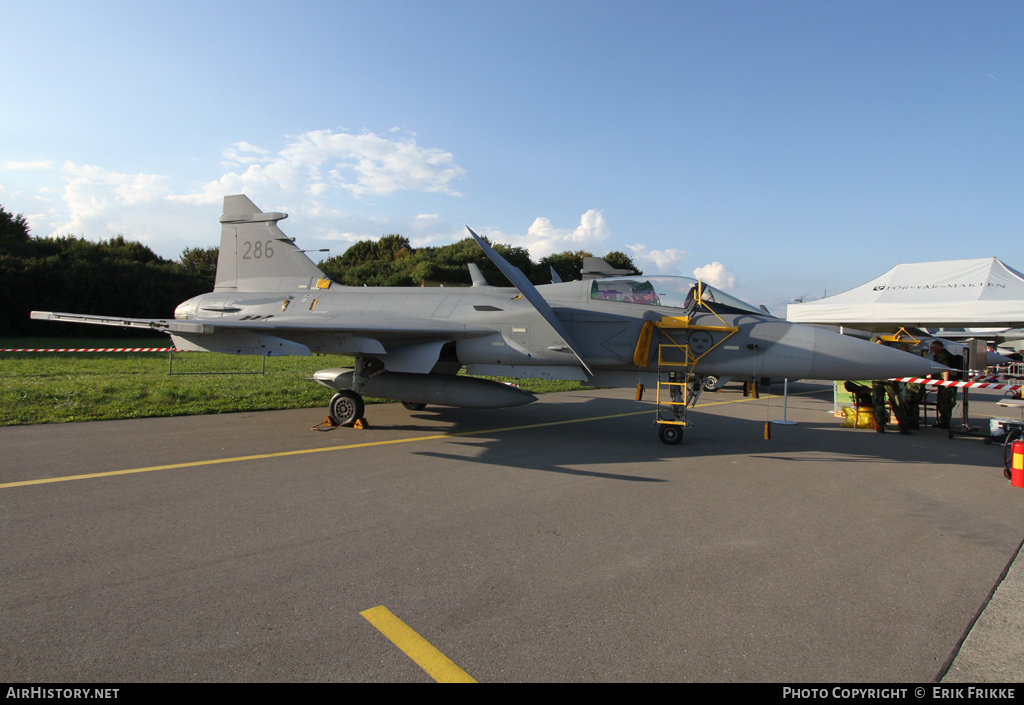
997, 359
842, 357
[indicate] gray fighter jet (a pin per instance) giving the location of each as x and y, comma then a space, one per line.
663, 333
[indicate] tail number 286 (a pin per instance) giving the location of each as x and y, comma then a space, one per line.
258, 250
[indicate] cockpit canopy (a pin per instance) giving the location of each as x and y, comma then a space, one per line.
676, 292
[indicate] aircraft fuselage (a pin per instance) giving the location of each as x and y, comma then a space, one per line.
496, 331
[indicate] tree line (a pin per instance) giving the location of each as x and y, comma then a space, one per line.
393, 261
119, 277
114, 277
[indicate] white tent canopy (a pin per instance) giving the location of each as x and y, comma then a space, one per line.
959, 293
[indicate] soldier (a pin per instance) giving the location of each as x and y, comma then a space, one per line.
882, 388
913, 393
945, 396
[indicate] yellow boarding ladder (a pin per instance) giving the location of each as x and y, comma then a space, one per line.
680, 347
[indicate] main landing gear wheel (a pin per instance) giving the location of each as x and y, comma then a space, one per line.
669, 434
414, 405
345, 408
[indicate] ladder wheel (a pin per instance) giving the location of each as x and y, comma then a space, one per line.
670, 434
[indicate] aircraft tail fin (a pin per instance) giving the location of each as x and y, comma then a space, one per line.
476, 275
255, 255
597, 268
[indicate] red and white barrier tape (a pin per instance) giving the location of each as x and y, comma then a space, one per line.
964, 385
82, 350
996, 378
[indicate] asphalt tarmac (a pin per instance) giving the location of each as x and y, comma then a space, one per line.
559, 541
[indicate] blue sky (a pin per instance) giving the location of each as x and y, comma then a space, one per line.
780, 148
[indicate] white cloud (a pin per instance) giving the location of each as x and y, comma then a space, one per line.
99, 203
309, 177
243, 153
543, 238
95, 196
24, 166
321, 161
668, 261
716, 274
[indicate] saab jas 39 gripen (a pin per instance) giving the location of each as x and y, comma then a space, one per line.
664, 333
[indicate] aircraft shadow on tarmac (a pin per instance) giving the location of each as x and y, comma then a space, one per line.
511, 438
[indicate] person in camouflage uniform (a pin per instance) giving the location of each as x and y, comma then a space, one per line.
913, 393
882, 388
945, 396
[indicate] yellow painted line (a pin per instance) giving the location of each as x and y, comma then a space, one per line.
306, 451
216, 461
438, 666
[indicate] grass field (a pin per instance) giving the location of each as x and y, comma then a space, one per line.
59, 387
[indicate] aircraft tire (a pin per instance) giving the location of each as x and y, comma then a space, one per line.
414, 405
670, 434
345, 408
710, 383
